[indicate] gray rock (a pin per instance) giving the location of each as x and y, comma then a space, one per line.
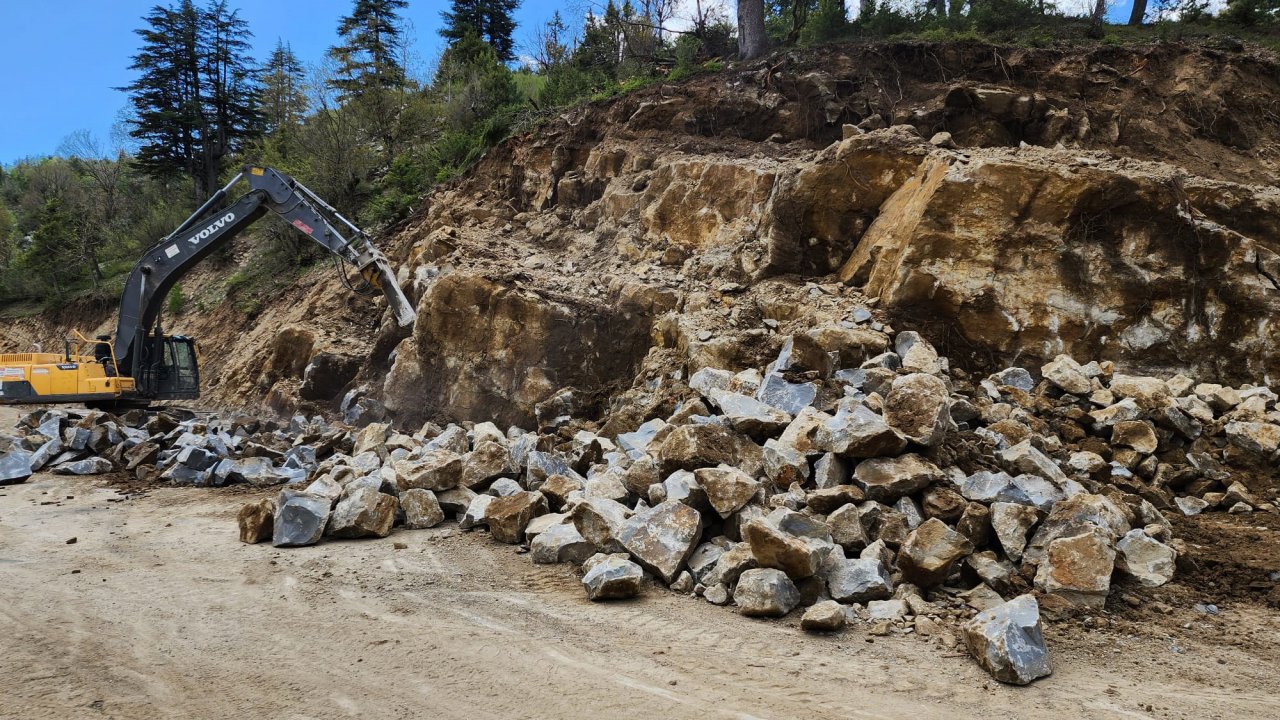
1007, 641
830, 471
662, 538
421, 509
1148, 560
887, 479
765, 592
87, 466
1025, 458
1015, 377
858, 580
42, 456
750, 416
559, 544
1190, 505
716, 595
300, 518
1067, 375
502, 487
703, 559
636, 444
456, 501
475, 515
708, 380
788, 397
826, 616
488, 461
998, 574
1011, 523
892, 609
1076, 515
986, 486
784, 465
15, 467
856, 431
611, 577
436, 470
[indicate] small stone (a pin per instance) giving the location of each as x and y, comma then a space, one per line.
611, 577
256, 520
765, 592
717, 594
826, 616
893, 609
1014, 377
1007, 641
1190, 505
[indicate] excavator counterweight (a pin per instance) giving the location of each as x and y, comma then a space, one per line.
144, 364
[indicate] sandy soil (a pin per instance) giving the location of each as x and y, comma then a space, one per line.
157, 610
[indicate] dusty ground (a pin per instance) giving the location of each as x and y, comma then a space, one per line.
157, 611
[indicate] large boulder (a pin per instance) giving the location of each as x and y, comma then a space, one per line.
87, 466
1144, 558
15, 467
750, 416
601, 521
1078, 568
1067, 374
488, 461
929, 553
857, 431
773, 548
436, 470
363, 513
421, 509
690, 447
1007, 641
887, 479
300, 518
765, 592
918, 406
508, 516
727, 488
662, 538
859, 580
1011, 523
611, 577
559, 544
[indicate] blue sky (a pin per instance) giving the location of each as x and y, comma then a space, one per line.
60, 59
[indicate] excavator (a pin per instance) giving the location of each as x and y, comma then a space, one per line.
143, 364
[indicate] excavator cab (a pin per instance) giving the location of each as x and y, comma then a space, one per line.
168, 368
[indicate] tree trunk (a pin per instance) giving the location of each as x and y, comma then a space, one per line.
1100, 9
752, 41
1139, 12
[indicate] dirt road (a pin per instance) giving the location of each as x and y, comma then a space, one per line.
157, 611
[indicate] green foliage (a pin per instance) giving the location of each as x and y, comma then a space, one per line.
369, 55
1252, 13
177, 300
490, 20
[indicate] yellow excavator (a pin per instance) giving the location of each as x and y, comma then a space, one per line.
143, 364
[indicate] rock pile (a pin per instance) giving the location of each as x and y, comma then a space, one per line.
901, 492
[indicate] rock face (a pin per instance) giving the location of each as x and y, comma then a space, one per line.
611, 577
300, 518
1008, 643
765, 592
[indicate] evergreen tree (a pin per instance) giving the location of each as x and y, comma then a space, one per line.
490, 20
283, 99
193, 101
368, 57
52, 251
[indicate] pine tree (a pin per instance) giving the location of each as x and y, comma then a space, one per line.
368, 58
194, 99
491, 20
283, 99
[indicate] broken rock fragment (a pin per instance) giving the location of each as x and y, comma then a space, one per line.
421, 509
765, 592
508, 516
611, 577
918, 406
300, 518
662, 538
1146, 559
256, 520
930, 552
364, 513
1007, 641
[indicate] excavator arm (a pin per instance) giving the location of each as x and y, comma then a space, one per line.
211, 227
